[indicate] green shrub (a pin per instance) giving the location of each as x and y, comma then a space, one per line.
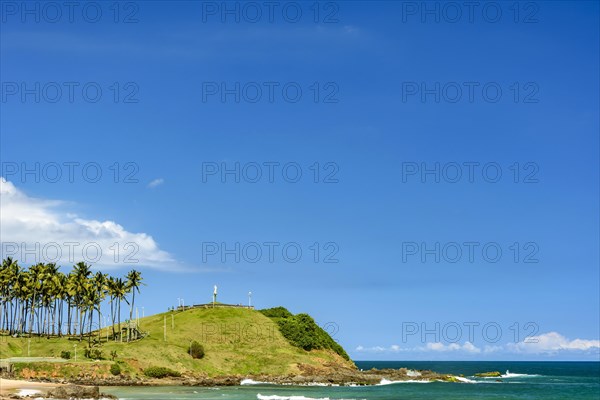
196, 350
65, 354
277, 312
160, 372
302, 331
94, 354
115, 369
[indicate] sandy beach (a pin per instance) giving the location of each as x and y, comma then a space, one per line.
10, 386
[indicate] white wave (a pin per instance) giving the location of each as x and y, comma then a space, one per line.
276, 397
28, 392
252, 382
320, 384
465, 380
511, 375
388, 382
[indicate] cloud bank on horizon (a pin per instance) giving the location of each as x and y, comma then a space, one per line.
40, 230
547, 344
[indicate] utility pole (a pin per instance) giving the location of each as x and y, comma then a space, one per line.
249, 299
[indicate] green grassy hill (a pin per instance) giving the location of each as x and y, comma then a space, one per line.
236, 341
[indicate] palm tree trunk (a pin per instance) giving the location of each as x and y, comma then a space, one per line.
59, 317
31, 318
131, 314
119, 317
69, 317
99, 324
112, 315
54, 317
91, 320
81, 321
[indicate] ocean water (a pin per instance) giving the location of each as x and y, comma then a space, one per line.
525, 381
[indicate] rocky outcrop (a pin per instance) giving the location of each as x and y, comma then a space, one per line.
77, 392
343, 376
493, 374
308, 374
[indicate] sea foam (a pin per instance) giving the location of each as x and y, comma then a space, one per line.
388, 382
465, 380
28, 392
276, 397
511, 375
253, 382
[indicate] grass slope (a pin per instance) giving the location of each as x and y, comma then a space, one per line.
236, 341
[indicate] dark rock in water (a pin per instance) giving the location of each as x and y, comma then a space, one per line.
493, 374
75, 392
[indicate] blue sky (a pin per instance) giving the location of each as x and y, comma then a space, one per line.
399, 94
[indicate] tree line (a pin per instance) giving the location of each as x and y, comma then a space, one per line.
42, 300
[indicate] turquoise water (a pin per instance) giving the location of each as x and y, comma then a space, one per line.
527, 380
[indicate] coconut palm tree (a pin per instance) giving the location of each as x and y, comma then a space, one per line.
81, 272
100, 286
37, 275
119, 293
47, 299
71, 288
111, 291
8, 278
134, 281
60, 284
22, 294
91, 303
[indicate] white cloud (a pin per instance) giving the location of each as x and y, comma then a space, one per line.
38, 230
376, 349
155, 183
551, 343
492, 349
467, 347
